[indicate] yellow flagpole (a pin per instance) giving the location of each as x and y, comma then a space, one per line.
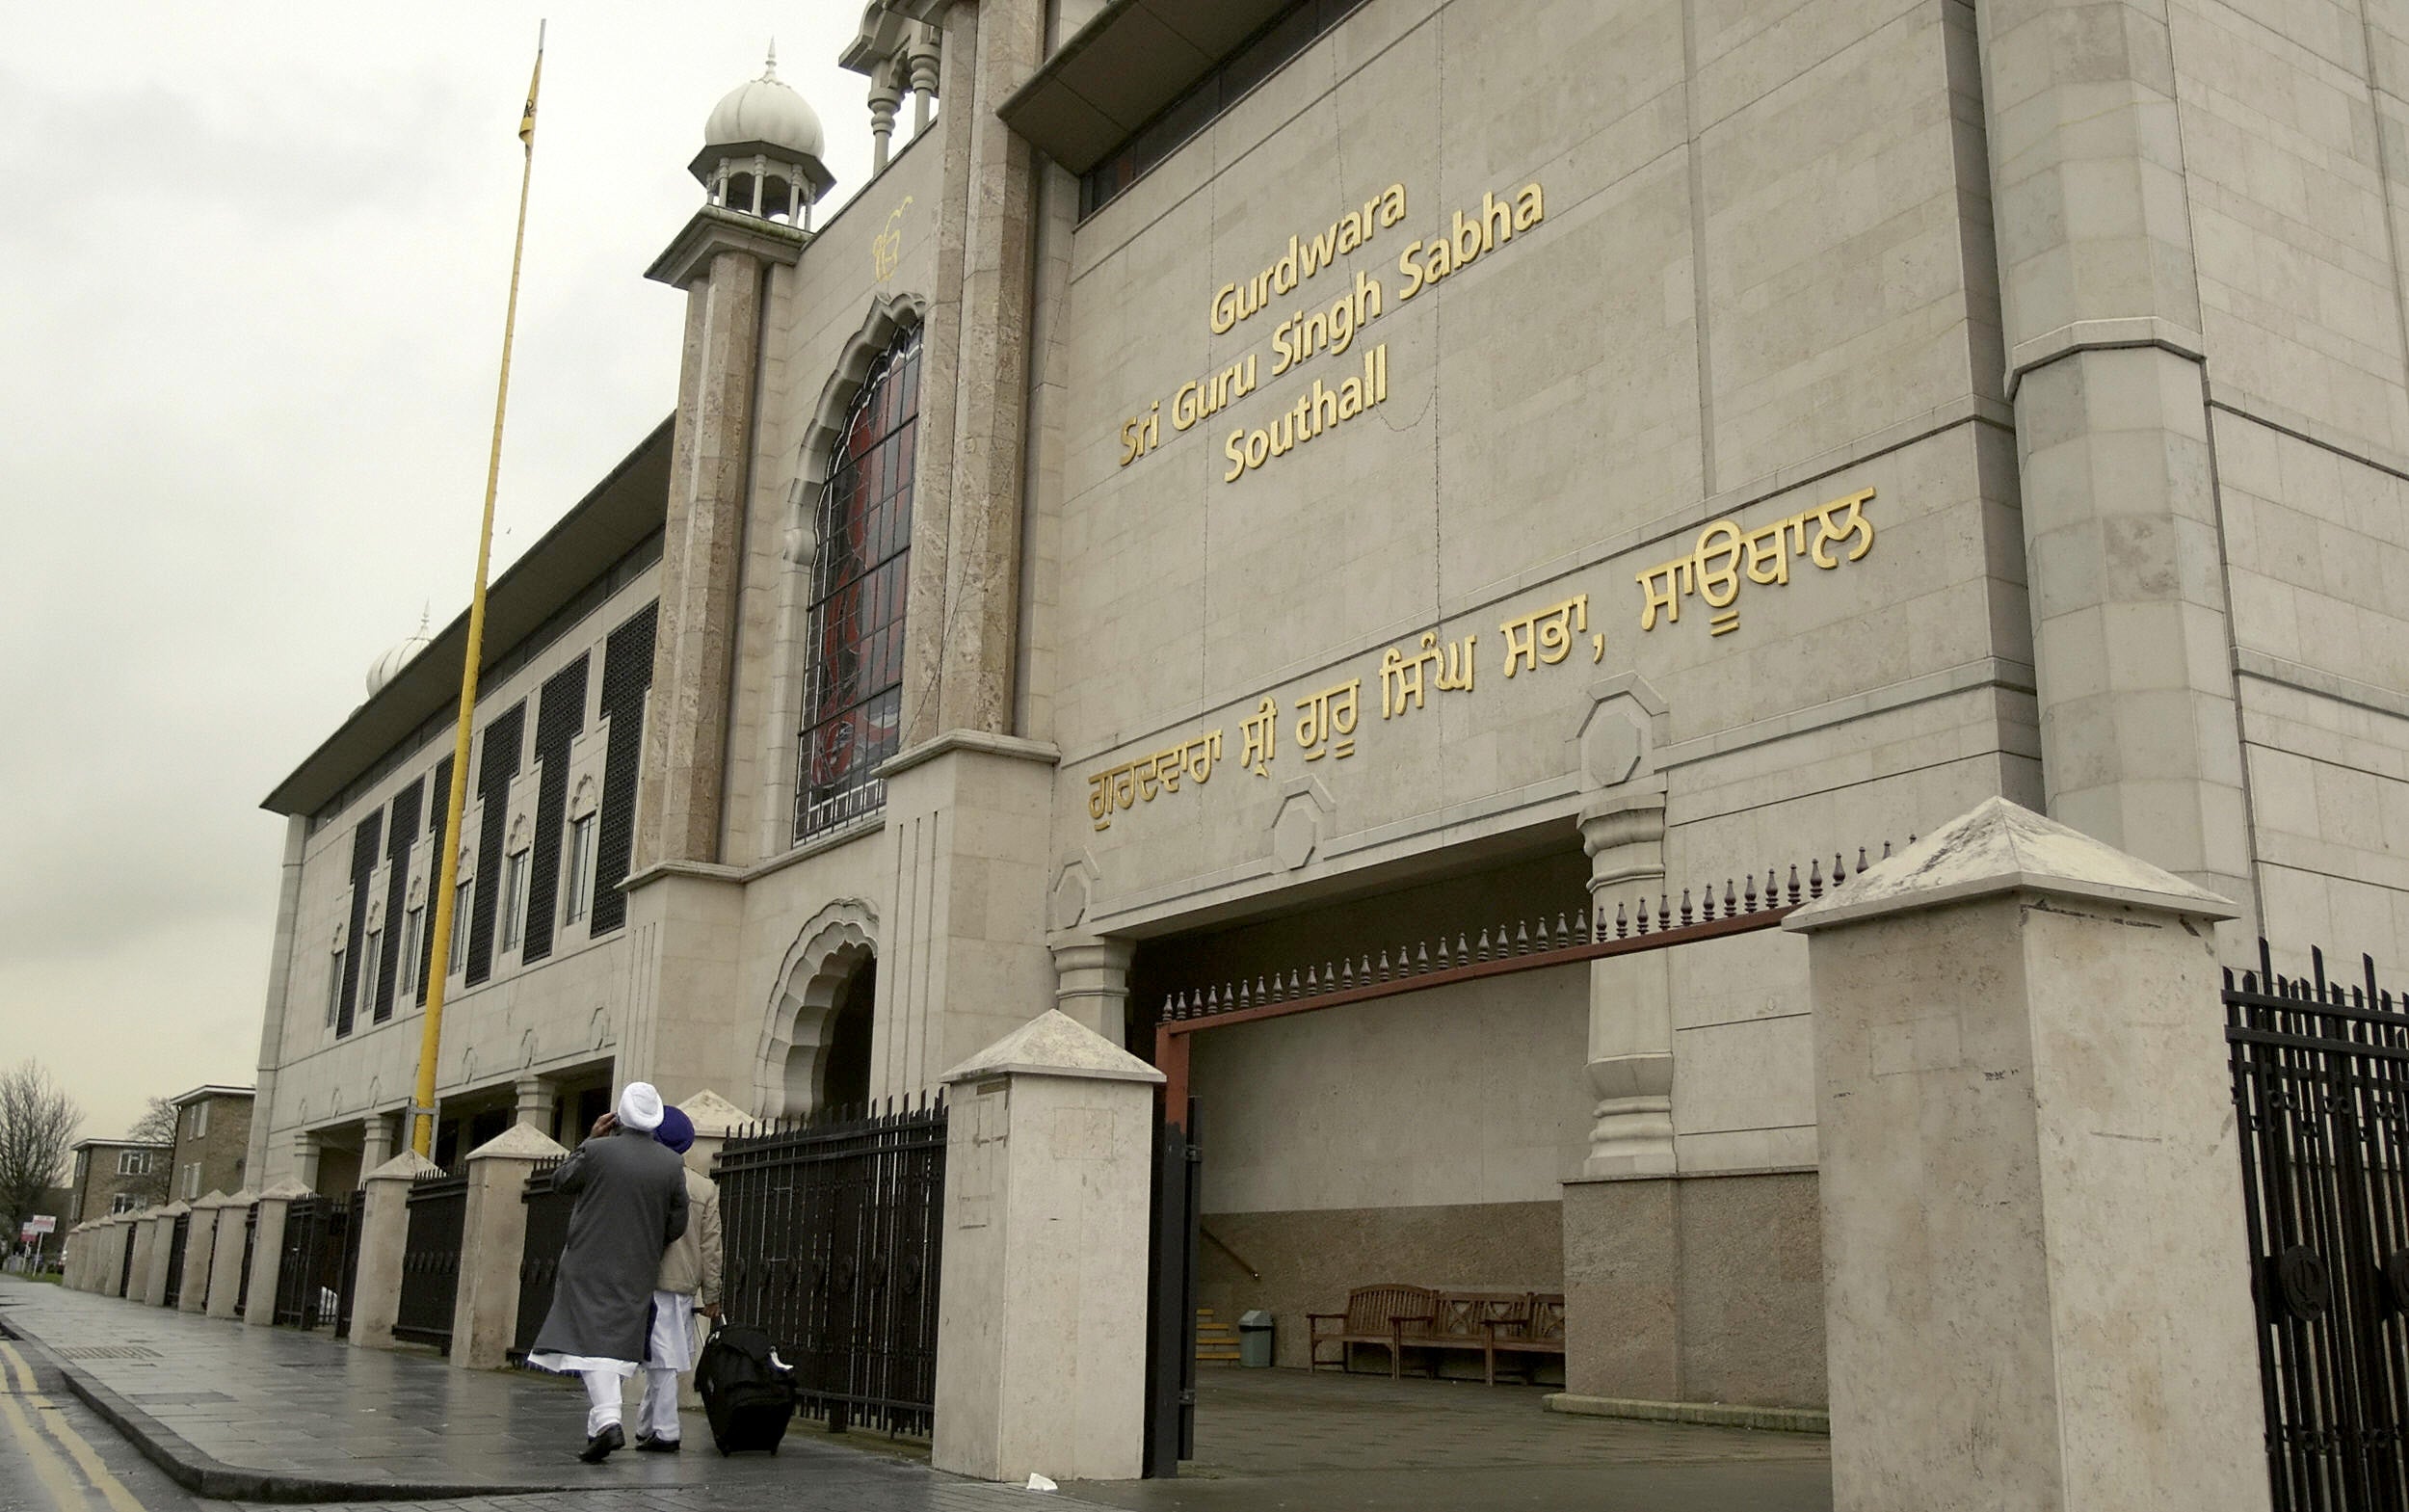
439, 944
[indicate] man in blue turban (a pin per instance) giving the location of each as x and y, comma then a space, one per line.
689, 1283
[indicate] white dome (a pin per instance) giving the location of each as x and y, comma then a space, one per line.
764, 110
383, 669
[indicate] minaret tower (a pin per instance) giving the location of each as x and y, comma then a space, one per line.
761, 172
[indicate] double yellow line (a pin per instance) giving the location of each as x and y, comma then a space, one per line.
49, 1468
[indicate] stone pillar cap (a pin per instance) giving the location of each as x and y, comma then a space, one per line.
407, 1166
285, 1192
713, 1116
216, 1198
518, 1142
241, 1198
2004, 847
174, 1209
1053, 1044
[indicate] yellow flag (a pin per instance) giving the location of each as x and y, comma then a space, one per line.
527, 121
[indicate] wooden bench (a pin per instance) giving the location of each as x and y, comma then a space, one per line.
1519, 1325
1465, 1321
1540, 1332
1374, 1315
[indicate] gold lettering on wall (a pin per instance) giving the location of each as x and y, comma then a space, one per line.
1328, 716
1543, 638
1724, 555
1331, 329
887, 247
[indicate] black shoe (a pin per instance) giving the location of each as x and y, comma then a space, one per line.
598, 1445
654, 1443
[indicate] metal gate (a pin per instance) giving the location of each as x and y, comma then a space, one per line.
2321, 1096
310, 1280
539, 1258
1171, 1295
438, 1216
125, 1261
251, 1241
832, 1237
179, 1236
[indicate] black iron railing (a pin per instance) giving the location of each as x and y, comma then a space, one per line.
539, 1258
438, 1214
310, 1282
831, 1238
178, 1237
2320, 1078
250, 1244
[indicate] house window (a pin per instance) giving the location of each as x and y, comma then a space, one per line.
406, 965
124, 1202
133, 1163
192, 1180
371, 957
514, 898
580, 869
854, 700
460, 926
199, 1118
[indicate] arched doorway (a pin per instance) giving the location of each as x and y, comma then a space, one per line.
816, 1046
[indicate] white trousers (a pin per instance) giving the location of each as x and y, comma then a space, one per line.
656, 1415
601, 1400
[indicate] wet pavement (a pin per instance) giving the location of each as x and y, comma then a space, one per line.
293, 1417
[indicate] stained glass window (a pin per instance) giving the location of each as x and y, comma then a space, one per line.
853, 707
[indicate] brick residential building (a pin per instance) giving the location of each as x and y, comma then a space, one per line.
212, 1137
112, 1176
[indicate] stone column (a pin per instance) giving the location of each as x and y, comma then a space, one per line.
201, 1249
267, 1253
383, 1230
886, 95
536, 1100
920, 62
1092, 983
2037, 1279
1630, 997
962, 953
1041, 1354
723, 273
118, 1279
152, 1268
494, 1237
306, 1158
376, 1141
2101, 301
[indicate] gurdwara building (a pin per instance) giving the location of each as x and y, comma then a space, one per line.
1254, 505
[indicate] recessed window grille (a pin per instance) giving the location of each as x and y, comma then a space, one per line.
626, 678
391, 958
1250, 63
853, 705
497, 764
560, 712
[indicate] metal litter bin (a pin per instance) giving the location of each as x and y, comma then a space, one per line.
1255, 1338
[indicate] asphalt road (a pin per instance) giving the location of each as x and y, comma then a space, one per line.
56, 1455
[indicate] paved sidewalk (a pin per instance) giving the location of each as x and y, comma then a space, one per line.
260, 1416
272, 1415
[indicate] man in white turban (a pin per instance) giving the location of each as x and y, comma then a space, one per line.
631, 1206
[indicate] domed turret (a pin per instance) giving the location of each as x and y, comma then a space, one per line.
388, 666
762, 149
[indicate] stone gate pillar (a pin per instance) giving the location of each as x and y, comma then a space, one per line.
225, 1262
2037, 1284
267, 1252
1041, 1329
383, 1230
201, 1248
150, 1265
494, 1238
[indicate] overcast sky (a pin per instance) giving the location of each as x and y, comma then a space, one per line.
253, 265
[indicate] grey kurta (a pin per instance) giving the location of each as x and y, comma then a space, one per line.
631, 1203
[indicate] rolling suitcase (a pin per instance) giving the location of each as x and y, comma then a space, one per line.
748, 1392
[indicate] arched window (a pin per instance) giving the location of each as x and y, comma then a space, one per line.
852, 709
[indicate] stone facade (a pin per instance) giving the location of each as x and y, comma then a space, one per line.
2091, 314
